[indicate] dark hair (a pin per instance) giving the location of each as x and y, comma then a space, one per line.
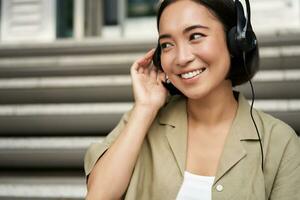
225, 11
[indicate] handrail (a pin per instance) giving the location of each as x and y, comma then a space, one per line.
122, 15
78, 16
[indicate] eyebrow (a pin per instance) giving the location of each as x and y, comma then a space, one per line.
187, 29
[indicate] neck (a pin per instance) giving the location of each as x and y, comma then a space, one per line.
215, 108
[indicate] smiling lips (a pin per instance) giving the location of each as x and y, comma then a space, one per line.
192, 74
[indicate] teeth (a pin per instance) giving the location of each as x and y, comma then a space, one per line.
192, 74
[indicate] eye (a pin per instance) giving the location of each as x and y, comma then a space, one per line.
165, 45
196, 36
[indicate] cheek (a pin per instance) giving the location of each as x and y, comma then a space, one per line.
216, 53
224, 51
225, 61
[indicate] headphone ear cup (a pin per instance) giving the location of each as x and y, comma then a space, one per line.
236, 47
232, 42
251, 41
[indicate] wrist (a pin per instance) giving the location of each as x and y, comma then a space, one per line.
146, 110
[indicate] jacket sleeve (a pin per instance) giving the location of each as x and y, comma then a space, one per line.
287, 181
97, 149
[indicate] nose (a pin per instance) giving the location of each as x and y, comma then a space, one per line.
184, 55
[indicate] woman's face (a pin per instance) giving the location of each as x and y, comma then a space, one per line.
194, 50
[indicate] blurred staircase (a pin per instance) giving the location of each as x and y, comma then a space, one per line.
55, 99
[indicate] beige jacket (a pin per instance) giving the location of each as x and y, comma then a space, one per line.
159, 170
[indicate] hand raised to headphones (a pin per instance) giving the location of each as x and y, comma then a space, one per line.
147, 86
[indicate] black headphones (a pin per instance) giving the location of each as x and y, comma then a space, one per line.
241, 38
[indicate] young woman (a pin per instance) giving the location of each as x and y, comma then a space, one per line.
201, 144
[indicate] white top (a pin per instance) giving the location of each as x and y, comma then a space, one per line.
195, 187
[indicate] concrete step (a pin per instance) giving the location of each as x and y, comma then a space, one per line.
282, 57
66, 89
63, 65
99, 118
279, 58
44, 152
88, 46
45, 185
274, 84
283, 37
77, 89
60, 119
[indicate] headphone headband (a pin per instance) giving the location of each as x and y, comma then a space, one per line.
241, 38
249, 26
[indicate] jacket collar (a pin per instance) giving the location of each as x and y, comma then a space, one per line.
174, 114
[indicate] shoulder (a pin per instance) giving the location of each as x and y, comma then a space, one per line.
268, 125
281, 143
281, 157
273, 127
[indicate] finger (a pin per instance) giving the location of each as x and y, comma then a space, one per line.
153, 73
146, 70
140, 70
147, 58
138, 65
143, 61
136, 68
149, 54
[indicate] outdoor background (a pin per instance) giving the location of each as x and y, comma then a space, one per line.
64, 82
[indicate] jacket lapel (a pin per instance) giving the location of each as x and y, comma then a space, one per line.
242, 129
176, 139
233, 152
174, 115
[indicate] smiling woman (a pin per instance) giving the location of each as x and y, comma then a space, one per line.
200, 142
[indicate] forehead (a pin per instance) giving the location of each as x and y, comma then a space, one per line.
184, 13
